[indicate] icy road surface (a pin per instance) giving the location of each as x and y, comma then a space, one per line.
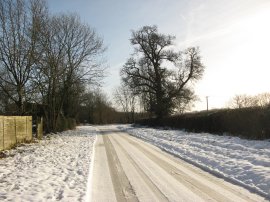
128, 169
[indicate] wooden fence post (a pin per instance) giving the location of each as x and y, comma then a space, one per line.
29, 126
1, 133
40, 128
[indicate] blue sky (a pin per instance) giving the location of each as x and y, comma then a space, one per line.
233, 36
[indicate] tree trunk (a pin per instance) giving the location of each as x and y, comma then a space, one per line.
19, 103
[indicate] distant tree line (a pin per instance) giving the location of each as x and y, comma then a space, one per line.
247, 101
48, 61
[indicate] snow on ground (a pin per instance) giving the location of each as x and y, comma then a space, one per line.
244, 162
55, 169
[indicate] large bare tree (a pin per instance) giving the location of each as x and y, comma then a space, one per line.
70, 60
159, 72
18, 41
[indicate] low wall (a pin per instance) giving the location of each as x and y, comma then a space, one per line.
14, 130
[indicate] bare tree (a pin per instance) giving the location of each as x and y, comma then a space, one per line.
18, 42
46, 59
263, 99
82, 46
147, 72
70, 60
125, 97
243, 101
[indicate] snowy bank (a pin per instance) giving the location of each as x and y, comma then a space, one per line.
244, 162
55, 169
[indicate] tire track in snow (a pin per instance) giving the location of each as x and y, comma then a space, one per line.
122, 187
177, 175
188, 181
138, 171
144, 177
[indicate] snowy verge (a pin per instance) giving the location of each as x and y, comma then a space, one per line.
241, 161
55, 169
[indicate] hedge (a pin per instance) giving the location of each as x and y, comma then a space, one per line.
251, 123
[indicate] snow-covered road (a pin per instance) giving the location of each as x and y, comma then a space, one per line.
125, 167
241, 161
55, 169
128, 169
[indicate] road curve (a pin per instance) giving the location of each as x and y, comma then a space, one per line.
128, 169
